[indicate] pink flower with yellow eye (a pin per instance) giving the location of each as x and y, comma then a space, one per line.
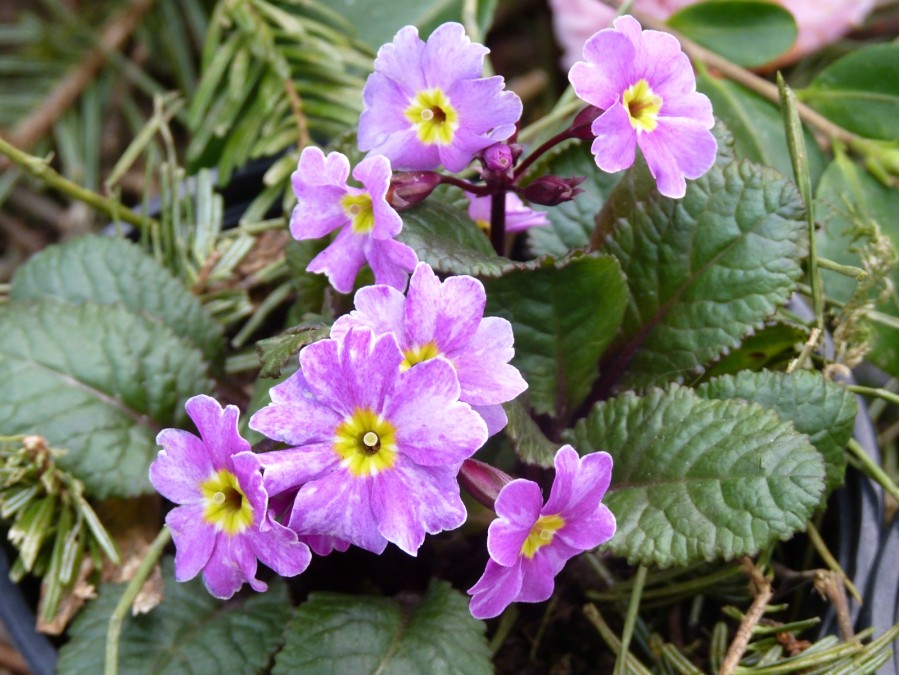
376, 449
221, 526
427, 104
646, 87
325, 202
530, 542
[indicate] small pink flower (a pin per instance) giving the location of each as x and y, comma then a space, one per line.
518, 216
222, 524
530, 542
427, 104
646, 86
325, 203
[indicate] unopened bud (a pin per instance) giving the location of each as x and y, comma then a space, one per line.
408, 188
482, 481
498, 158
581, 125
552, 190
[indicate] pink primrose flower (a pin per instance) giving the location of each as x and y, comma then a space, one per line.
221, 525
427, 104
376, 449
325, 203
518, 216
445, 319
647, 89
530, 542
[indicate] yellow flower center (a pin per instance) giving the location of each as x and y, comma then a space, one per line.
359, 209
483, 225
435, 119
642, 106
226, 507
419, 354
541, 534
366, 443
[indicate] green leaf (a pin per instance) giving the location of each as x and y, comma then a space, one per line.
821, 409
529, 442
747, 32
335, 633
859, 91
757, 126
700, 480
189, 632
771, 346
274, 352
98, 381
110, 270
377, 22
571, 223
447, 239
564, 314
702, 271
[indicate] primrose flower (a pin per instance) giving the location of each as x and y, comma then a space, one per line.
518, 216
325, 203
222, 525
427, 104
646, 86
530, 542
376, 448
445, 319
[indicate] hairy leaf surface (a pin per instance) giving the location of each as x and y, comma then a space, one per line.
189, 633
700, 480
98, 381
335, 633
110, 270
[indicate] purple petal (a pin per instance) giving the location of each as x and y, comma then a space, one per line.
495, 590
494, 417
580, 483
288, 469
298, 422
217, 427
323, 545
227, 568
323, 372
485, 376
466, 143
374, 172
426, 438
538, 574
450, 56
694, 106
338, 505
591, 531
676, 149
247, 470
519, 503
613, 147
399, 60
629, 27
377, 307
180, 467
607, 71
391, 262
194, 540
278, 549
483, 104
669, 72
341, 261
411, 501
460, 312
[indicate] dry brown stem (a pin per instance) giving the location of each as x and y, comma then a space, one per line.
762, 591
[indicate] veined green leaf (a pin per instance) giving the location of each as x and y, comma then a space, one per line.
334, 633
700, 480
98, 381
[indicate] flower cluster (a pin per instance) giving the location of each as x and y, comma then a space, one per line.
377, 428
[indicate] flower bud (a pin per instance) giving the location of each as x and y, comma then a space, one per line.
408, 188
581, 125
482, 481
498, 158
552, 190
